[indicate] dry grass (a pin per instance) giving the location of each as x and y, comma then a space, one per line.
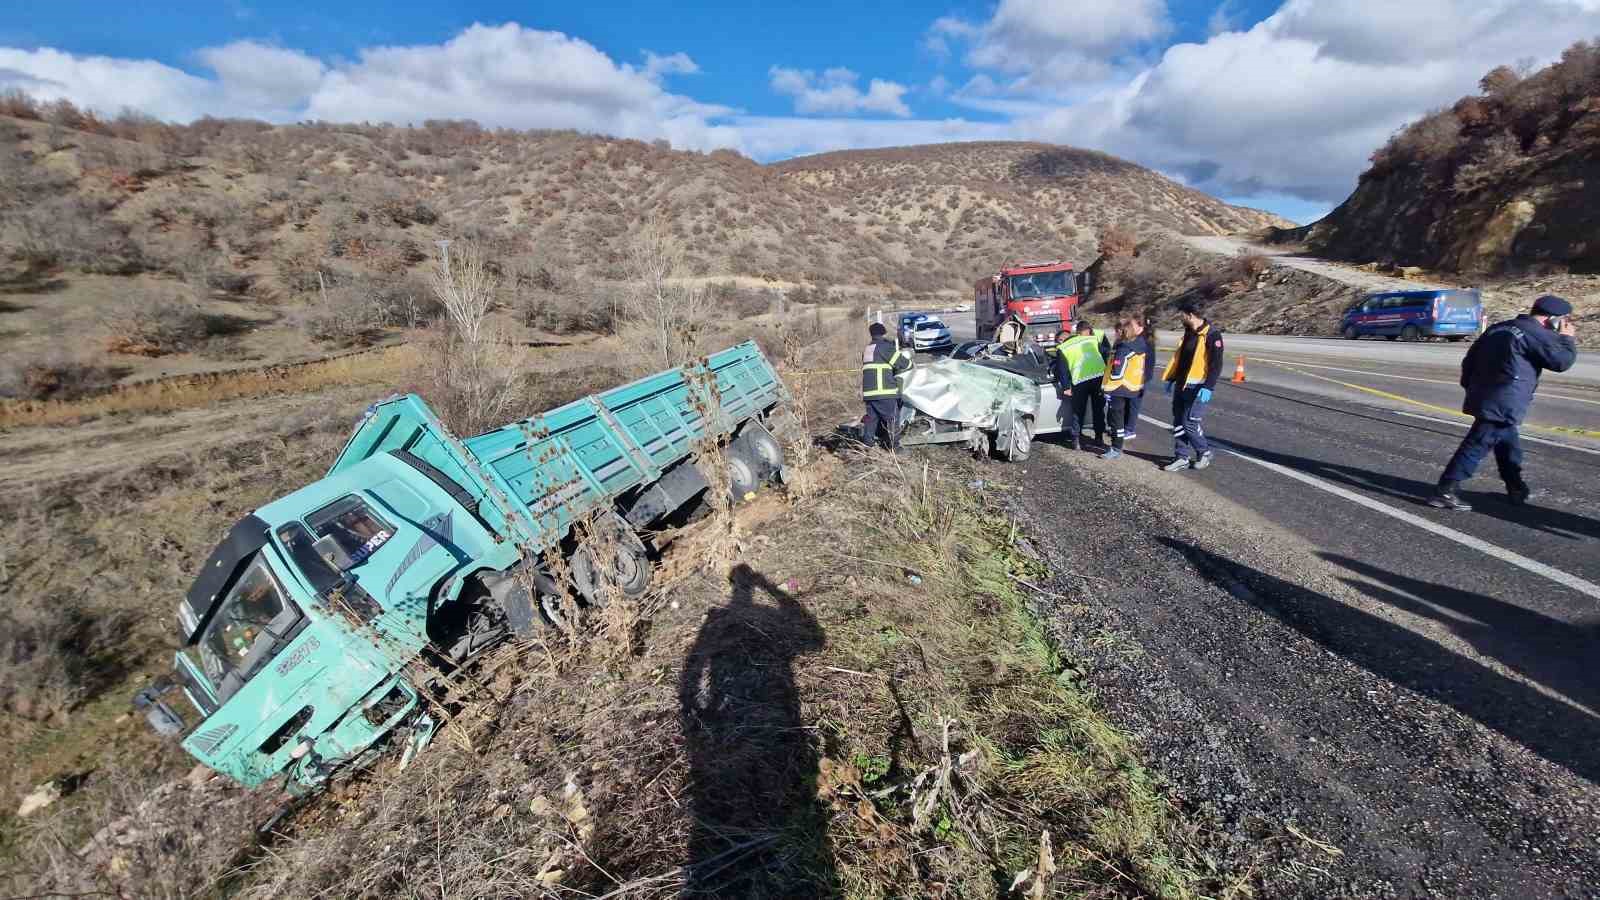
386, 365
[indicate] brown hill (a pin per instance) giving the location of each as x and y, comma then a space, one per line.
205, 245
1506, 180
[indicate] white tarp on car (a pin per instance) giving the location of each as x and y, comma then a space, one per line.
960, 391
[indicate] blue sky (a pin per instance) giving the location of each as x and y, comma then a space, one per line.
1274, 103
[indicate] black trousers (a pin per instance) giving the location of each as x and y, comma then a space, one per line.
1088, 397
1122, 411
883, 415
1483, 438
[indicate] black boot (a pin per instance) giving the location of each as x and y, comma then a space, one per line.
1518, 493
1445, 498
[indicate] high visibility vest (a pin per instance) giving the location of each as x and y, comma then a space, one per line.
877, 378
1081, 354
1199, 364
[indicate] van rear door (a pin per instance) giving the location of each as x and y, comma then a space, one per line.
1457, 313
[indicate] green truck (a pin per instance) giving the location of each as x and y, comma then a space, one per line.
419, 547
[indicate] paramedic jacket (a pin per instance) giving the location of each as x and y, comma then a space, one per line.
1128, 368
1501, 371
1198, 360
881, 361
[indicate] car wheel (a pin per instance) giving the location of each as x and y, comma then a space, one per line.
1019, 442
1410, 334
1350, 333
1391, 337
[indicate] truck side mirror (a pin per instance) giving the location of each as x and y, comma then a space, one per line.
163, 720
331, 553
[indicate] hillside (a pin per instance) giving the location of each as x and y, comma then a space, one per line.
1507, 180
139, 248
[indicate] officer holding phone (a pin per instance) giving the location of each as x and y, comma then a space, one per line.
1500, 374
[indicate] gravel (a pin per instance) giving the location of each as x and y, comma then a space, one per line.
1235, 656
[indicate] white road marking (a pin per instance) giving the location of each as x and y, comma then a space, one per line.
1454, 384
1525, 437
1582, 586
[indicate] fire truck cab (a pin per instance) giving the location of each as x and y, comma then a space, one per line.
1042, 295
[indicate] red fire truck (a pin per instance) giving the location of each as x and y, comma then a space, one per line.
1043, 295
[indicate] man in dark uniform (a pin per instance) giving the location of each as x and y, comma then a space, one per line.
881, 361
1500, 374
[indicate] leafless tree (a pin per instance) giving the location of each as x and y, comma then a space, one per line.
669, 310
466, 288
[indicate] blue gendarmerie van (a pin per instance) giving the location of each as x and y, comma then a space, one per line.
1414, 315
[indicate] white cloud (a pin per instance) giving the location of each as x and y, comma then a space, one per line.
1223, 18
1047, 44
107, 84
1296, 104
656, 65
503, 75
835, 92
262, 76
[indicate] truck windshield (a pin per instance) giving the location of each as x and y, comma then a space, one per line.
239, 634
1042, 284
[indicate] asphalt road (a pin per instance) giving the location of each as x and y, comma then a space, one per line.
1312, 644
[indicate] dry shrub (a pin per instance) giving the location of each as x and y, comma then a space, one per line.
47, 649
153, 837
155, 326
1117, 241
574, 311
665, 314
475, 386
55, 378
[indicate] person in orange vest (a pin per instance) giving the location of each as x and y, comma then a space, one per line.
1190, 379
881, 362
1126, 372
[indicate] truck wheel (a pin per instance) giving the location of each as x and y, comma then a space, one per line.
615, 557
743, 477
764, 450
1350, 333
1410, 334
1019, 441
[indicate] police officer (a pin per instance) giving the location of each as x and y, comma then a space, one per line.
1079, 363
881, 361
1189, 380
1500, 374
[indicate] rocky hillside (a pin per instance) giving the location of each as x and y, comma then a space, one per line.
221, 241
1507, 180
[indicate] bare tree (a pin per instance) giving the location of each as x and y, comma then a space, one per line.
466, 288
669, 310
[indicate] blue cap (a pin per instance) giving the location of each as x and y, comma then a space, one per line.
1551, 305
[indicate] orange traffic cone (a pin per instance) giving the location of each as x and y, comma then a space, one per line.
1238, 370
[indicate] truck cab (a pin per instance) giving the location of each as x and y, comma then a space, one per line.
340, 574
1043, 296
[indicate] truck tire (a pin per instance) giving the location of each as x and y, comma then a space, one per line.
764, 449
744, 477
619, 561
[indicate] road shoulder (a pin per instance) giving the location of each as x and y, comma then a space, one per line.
1249, 670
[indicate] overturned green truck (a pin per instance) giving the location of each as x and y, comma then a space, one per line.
297, 634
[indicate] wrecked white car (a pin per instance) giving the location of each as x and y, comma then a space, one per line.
995, 400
